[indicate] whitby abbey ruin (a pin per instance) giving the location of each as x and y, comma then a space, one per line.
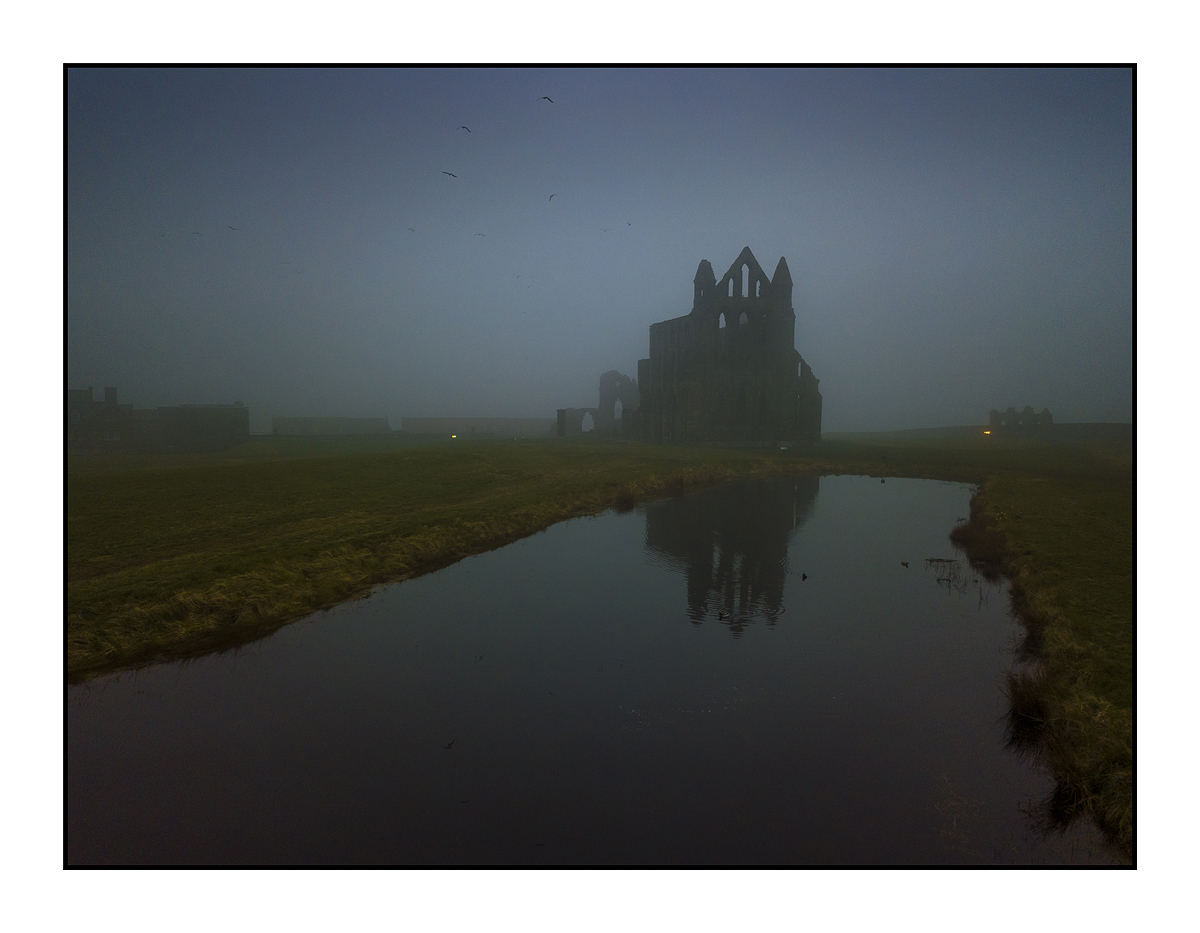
727, 372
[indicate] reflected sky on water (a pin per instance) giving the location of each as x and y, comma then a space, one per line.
747, 674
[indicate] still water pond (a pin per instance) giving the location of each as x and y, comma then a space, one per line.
747, 674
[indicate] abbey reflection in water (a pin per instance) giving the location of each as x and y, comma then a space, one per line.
732, 543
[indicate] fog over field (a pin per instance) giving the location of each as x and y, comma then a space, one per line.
385, 243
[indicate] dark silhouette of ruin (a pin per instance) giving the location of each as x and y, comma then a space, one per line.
729, 371
726, 373
618, 395
106, 425
1025, 421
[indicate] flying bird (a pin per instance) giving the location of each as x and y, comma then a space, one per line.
481, 234
546, 98
467, 128
194, 233
803, 577
452, 741
411, 230
903, 563
451, 174
551, 197
232, 228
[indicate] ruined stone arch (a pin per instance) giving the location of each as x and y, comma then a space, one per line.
618, 395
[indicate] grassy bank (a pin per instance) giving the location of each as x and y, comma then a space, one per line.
169, 561
175, 557
1067, 548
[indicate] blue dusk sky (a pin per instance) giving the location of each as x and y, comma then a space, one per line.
959, 240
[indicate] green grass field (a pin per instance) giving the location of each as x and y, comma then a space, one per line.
173, 557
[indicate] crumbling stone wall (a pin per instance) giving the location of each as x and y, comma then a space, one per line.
570, 420
616, 387
1024, 422
106, 425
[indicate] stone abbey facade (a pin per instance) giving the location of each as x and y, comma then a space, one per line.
729, 371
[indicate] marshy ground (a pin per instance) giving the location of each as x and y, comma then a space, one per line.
174, 557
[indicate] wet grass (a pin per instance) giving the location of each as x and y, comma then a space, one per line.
175, 557
178, 560
1067, 548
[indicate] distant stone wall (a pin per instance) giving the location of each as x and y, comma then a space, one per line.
480, 427
1026, 421
203, 427
281, 424
571, 421
105, 425
616, 387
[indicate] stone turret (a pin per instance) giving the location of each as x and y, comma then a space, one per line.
781, 284
705, 282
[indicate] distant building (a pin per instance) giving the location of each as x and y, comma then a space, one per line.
1026, 421
93, 424
284, 425
729, 371
619, 400
106, 425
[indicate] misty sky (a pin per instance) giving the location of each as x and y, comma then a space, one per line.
959, 240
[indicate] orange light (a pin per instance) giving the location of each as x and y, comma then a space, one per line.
453, 436
987, 432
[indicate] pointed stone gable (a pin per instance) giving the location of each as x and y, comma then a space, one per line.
745, 258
